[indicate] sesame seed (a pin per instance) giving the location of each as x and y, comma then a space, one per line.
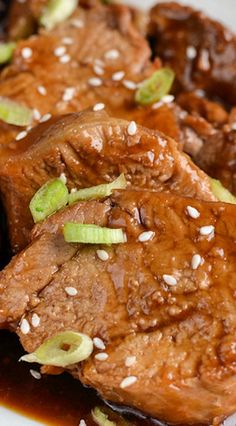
45, 117
21, 135
130, 360
35, 320
36, 114
128, 381
151, 156
68, 94
71, 291
73, 190
167, 99
60, 51
24, 327
67, 40
63, 178
102, 356
112, 54
99, 107
36, 374
26, 52
82, 423
233, 126
77, 23
65, 59
191, 52
131, 85
95, 81
98, 70
192, 212
146, 236
169, 279
207, 230
196, 261
98, 343
132, 128
102, 255
117, 76
42, 90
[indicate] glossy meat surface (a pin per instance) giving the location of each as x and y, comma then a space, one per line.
92, 148
201, 51
181, 335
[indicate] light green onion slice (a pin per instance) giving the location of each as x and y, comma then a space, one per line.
101, 418
99, 191
154, 88
92, 234
48, 199
221, 193
13, 113
57, 11
61, 350
6, 51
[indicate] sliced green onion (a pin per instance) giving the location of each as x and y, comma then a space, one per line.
101, 418
61, 350
13, 113
221, 193
48, 199
99, 191
6, 51
154, 88
57, 11
92, 234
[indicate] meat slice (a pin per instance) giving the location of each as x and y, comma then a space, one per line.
92, 148
164, 307
200, 50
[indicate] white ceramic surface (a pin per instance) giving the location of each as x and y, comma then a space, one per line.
224, 10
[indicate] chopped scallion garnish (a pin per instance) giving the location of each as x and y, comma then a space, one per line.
92, 234
61, 350
101, 418
154, 88
6, 51
57, 11
48, 199
13, 113
221, 193
99, 191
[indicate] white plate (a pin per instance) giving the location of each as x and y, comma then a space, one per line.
223, 11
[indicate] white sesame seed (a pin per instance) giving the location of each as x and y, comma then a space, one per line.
99, 107
24, 327
196, 261
102, 356
36, 114
77, 23
36, 374
117, 76
192, 212
146, 236
63, 178
128, 381
191, 52
35, 320
102, 255
73, 190
233, 126
82, 423
68, 94
98, 343
131, 85
42, 90
207, 230
167, 99
60, 51
26, 52
67, 40
132, 128
151, 156
71, 291
95, 81
169, 279
45, 117
130, 360
65, 59
21, 135
112, 54
98, 70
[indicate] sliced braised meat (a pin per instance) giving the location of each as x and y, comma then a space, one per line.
164, 307
92, 148
200, 50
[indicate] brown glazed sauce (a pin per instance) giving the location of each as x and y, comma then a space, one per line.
54, 400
